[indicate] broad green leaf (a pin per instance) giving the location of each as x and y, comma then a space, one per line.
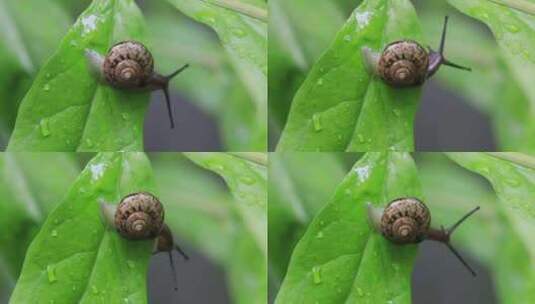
27, 38
76, 257
299, 31
512, 176
340, 106
245, 41
515, 33
341, 258
197, 206
28, 195
299, 186
248, 183
67, 109
451, 191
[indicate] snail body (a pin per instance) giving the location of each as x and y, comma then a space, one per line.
129, 65
406, 63
408, 221
140, 216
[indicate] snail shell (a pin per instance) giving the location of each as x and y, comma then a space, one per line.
139, 216
403, 63
405, 220
128, 64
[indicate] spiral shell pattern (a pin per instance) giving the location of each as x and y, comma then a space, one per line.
403, 63
405, 220
128, 64
139, 216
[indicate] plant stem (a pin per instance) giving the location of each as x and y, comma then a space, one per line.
242, 8
259, 158
521, 5
521, 159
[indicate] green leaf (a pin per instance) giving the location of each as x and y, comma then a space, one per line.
67, 109
294, 45
75, 258
340, 106
299, 186
451, 192
512, 176
245, 41
28, 195
340, 258
24, 46
515, 34
248, 183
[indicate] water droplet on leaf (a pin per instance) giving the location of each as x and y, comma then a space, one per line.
316, 121
44, 126
51, 272
316, 274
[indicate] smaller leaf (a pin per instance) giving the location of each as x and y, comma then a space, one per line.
513, 178
248, 183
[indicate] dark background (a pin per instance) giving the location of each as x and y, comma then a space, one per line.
444, 122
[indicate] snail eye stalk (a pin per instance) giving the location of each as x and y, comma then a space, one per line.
448, 232
437, 58
165, 88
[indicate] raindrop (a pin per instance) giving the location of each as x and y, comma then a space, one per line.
125, 116
44, 126
247, 180
319, 235
513, 182
359, 292
360, 138
46, 87
94, 289
316, 274
131, 264
397, 112
316, 121
347, 38
51, 271
512, 28
239, 33
320, 82
89, 143
54, 233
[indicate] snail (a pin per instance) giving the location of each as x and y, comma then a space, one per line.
140, 216
407, 221
129, 65
406, 63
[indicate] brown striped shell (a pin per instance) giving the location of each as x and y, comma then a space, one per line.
139, 216
128, 64
403, 63
405, 220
